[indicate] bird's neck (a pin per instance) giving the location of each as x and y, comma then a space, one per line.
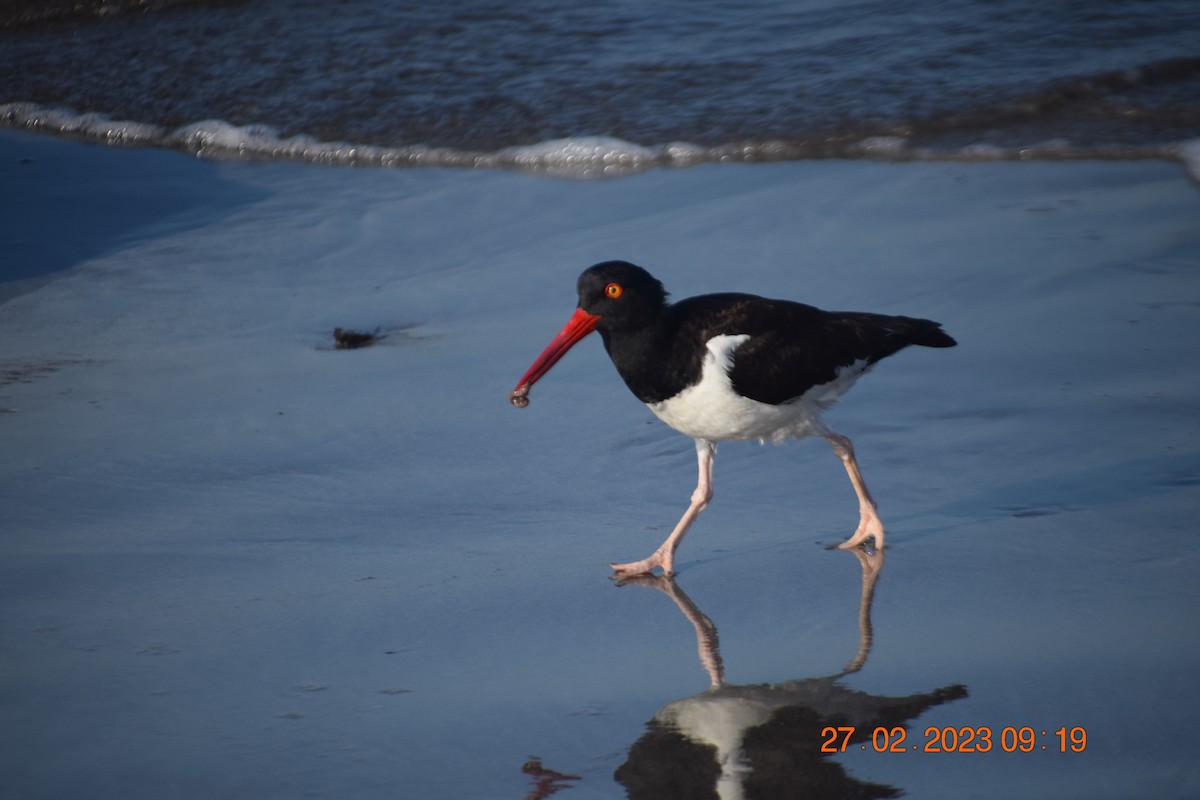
649, 361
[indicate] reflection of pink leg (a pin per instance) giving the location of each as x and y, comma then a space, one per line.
869, 523
872, 565
664, 556
708, 644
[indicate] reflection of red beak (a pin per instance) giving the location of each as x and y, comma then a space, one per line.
579, 326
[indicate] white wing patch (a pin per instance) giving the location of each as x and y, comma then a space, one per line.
720, 350
827, 394
712, 410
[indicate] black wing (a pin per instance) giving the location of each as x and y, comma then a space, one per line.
794, 347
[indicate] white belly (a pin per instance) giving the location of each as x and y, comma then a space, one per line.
712, 410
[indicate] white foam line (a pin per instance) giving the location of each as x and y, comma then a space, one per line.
580, 157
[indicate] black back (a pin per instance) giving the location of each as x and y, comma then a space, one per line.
659, 348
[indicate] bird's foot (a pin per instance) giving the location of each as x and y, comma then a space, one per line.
869, 527
659, 559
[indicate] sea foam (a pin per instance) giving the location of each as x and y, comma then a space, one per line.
580, 157
1189, 154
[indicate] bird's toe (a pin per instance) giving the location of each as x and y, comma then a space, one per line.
644, 567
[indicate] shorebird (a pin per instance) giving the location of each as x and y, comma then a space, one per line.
720, 367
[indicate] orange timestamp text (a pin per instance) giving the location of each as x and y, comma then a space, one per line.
969, 739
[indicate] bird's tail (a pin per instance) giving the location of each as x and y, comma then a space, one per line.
904, 331
881, 335
934, 336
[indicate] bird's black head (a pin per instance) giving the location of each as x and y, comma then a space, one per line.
614, 297
623, 295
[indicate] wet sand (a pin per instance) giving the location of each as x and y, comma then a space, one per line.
239, 562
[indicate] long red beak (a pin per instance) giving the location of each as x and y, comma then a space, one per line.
579, 326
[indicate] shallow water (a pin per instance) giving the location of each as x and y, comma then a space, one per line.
239, 562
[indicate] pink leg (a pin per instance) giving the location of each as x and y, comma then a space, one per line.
869, 523
664, 556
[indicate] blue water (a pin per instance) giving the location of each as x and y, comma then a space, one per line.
491, 83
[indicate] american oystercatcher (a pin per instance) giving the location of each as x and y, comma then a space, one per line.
719, 367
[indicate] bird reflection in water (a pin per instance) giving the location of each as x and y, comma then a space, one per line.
764, 740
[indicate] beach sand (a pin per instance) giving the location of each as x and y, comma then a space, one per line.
238, 562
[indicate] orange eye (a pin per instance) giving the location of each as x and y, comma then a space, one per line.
613, 290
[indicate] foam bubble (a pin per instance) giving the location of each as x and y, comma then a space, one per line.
65, 122
216, 138
587, 156
1189, 154
881, 147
